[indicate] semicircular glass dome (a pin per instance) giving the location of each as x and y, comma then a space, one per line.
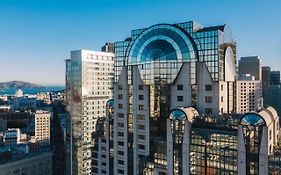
162, 39
252, 120
158, 50
178, 114
110, 103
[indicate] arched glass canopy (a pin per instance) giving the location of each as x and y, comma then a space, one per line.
252, 119
110, 103
159, 52
178, 114
163, 38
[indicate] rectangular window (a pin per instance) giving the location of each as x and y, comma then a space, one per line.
141, 137
121, 125
120, 162
120, 96
140, 97
141, 117
140, 87
140, 126
120, 87
120, 134
179, 87
208, 110
140, 107
208, 99
120, 171
142, 147
180, 98
121, 153
120, 143
208, 87
120, 115
120, 106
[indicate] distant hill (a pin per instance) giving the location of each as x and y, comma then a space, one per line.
19, 85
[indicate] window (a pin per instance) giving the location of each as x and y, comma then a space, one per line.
120, 134
180, 98
120, 87
208, 110
141, 137
141, 126
222, 87
120, 143
120, 115
179, 87
121, 153
140, 97
208, 87
120, 171
141, 117
140, 107
121, 125
120, 106
140, 87
208, 99
120, 162
142, 147
120, 96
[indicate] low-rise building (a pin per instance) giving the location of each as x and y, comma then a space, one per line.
33, 164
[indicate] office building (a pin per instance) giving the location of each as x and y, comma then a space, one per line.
250, 65
266, 77
249, 94
275, 77
89, 84
108, 47
158, 69
272, 96
42, 126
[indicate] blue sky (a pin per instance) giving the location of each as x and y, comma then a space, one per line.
37, 36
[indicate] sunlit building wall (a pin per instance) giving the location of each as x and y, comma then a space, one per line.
161, 68
89, 84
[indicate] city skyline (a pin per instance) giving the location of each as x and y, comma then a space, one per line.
43, 33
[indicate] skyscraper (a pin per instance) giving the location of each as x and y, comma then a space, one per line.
108, 47
266, 77
158, 69
275, 77
250, 65
89, 85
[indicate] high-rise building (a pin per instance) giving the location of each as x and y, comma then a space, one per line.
249, 94
266, 77
161, 68
275, 77
108, 47
89, 84
42, 126
250, 65
272, 96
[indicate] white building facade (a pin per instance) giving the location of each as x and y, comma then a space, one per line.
249, 94
42, 126
89, 84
